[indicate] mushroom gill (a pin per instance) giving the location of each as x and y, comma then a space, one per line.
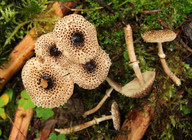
48, 84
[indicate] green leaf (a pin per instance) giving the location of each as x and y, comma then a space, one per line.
0, 132
44, 113
24, 94
2, 111
1, 103
39, 112
52, 136
31, 104
186, 109
24, 104
9, 92
61, 137
48, 112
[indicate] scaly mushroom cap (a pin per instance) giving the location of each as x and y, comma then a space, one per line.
134, 90
93, 73
77, 38
48, 84
115, 116
46, 46
154, 36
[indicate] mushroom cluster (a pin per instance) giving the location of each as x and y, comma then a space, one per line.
70, 54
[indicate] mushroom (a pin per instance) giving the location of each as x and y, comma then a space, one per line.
91, 74
77, 38
115, 116
141, 85
160, 36
48, 84
46, 46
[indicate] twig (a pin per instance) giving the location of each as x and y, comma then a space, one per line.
184, 45
150, 11
21, 123
107, 7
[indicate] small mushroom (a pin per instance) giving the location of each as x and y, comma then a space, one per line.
46, 46
91, 74
77, 38
115, 116
141, 85
160, 36
48, 84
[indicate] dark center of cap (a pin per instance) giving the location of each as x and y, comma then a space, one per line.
54, 51
90, 66
46, 82
77, 39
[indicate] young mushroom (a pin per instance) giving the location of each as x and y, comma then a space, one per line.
141, 85
77, 38
48, 84
115, 116
46, 45
91, 74
160, 36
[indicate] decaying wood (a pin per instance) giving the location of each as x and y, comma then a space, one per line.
21, 124
136, 124
47, 129
24, 50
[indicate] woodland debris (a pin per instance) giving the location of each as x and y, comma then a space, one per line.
136, 124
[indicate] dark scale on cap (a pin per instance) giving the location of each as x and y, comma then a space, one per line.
90, 66
49, 81
77, 39
54, 51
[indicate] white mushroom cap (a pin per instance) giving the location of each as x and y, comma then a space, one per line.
47, 83
77, 38
159, 36
115, 116
93, 73
46, 46
134, 90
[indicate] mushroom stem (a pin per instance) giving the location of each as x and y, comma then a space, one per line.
161, 54
93, 110
165, 66
169, 73
131, 52
83, 126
